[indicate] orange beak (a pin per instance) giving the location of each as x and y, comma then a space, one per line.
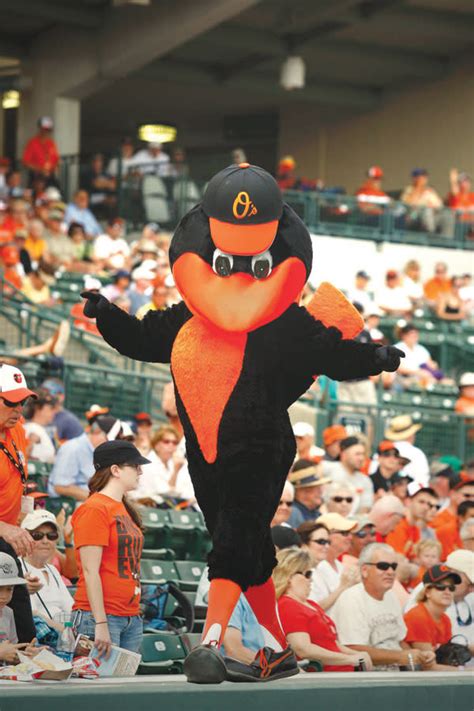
238, 303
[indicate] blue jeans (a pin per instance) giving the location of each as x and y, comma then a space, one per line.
125, 632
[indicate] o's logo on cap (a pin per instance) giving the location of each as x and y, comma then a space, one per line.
17, 378
243, 206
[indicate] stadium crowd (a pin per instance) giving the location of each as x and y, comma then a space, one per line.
375, 542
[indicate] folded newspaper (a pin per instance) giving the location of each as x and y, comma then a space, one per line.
121, 662
45, 665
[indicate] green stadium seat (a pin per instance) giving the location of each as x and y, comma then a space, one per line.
162, 653
158, 553
158, 571
156, 523
191, 640
55, 504
190, 573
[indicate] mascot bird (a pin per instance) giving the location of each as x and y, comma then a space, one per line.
242, 351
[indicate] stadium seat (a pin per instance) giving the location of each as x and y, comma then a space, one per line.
56, 504
162, 653
158, 553
191, 640
155, 200
156, 525
189, 536
190, 573
158, 571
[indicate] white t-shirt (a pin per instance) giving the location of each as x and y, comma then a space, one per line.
54, 594
148, 163
361, 297
395, 299
414, 357
324, 581
153, 483
418, 468
361, 619
116, 250
43, 450
7, 626
414, 289
360, 482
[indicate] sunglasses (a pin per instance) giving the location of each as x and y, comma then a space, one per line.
451, 587
382, 565
431, 506
169, 441
285, 503
340, 499
364, 534
51, 536
308, 574
319, 541
343, 533
9, 403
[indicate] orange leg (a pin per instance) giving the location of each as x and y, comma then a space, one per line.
262, 600
223, 597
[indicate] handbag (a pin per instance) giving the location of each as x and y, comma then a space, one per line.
453, 654
153, 604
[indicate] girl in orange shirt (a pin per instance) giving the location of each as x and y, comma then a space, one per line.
108, 540
428, 626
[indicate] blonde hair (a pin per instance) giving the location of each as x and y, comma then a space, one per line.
161, 432
426, 544
290, 561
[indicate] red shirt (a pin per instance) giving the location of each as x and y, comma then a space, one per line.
41, 153
421, 627
296, 617
403, 538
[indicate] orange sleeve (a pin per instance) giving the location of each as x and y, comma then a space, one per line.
419, 628
398, 539
91, 527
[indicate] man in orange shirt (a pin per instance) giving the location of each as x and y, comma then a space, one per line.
437, 285
414, 526
461, 195
370, 194
460, 489
13, 500
41, 154
449, 535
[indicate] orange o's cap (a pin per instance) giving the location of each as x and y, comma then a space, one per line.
242, 239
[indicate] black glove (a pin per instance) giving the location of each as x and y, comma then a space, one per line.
95, 302
388, 358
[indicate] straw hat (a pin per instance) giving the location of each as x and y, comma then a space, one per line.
401, 427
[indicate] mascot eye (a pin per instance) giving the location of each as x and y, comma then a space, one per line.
262, 265
222, 263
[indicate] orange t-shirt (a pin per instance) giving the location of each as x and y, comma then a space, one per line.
443, 518
448, 536
434, 287
422, 627
102, 521
11, 487
465, 405
403, 538
42, 154
82, 321
35, 248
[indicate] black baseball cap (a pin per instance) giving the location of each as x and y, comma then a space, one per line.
244, 204
118, 451
438, 573
398, 478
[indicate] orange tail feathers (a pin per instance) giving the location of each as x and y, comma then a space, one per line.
330, 306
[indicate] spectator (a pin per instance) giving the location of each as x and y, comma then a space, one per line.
370, 195
449, 535
65, 423
330, 578
285, 177
310, 632
332, 438
460, 490
108, 539
414, 526
465, 401
141, 288
461, 197
386, 513
74, 461
363, 535
441, 474
82, 247
411, 282
283, 512
41, 155
78, 211
359, 294
35, 245
347, 471
151, 160
285, 537
14, 541
339, 498
368, 616
126, 159
6, 231
427, 552
118, 287
428, 625
40, 413
305, 447
19, 242
49, 596
143, 428
59, 248
388, 464
4, 168
425, 207
243, 637
437, 285
400, 482
401, 430
165, 474
100, 186
308, 481
418, 366
450, 306
10, 582
467, 534
393, 299
111, 250
314, 540
158, 301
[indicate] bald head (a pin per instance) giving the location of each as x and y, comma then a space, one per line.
386, 513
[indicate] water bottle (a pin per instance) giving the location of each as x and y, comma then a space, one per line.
66, 643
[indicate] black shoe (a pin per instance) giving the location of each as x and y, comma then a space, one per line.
204, 665
266, 666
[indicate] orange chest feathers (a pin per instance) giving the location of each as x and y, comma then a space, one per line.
206, 364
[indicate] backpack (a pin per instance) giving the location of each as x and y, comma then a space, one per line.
153, 604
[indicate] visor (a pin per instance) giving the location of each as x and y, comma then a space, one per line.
242, 240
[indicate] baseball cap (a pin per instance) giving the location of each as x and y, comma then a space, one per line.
332, 434
55, 387
285, 537
391, 274
375, 171
303, 429
398, 478
46, 122
244, 204
9, 573
362, 274
142, 417
13, 384
336, 522
117, 452
439, 468
466, 380
109, 425
349, 442
38, 518
386, 446
462, 560
416, 172
438, 573
454, 462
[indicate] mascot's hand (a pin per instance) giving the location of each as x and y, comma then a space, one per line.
388, 358
95, 302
